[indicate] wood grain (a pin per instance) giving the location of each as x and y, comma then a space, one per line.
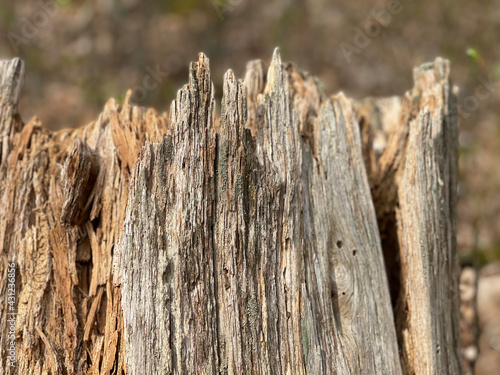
297, 233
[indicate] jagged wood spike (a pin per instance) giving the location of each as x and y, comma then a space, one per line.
410, 145
11, 82
286, 299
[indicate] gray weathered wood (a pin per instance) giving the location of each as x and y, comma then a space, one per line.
427, 192
274, 265
11, 83
269, 241
412, 162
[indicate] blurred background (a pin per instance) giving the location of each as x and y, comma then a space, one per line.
80, 53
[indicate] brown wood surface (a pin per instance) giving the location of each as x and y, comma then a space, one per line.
297, 233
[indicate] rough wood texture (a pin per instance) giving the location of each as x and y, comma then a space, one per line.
429, 299
11, 82
246, 244
413, 175
63, 197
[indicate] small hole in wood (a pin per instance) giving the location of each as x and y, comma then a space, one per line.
339, 244
354, 252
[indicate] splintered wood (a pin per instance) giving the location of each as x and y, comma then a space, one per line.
297, 234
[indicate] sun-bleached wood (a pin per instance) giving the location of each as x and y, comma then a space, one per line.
250, 243
413, 175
